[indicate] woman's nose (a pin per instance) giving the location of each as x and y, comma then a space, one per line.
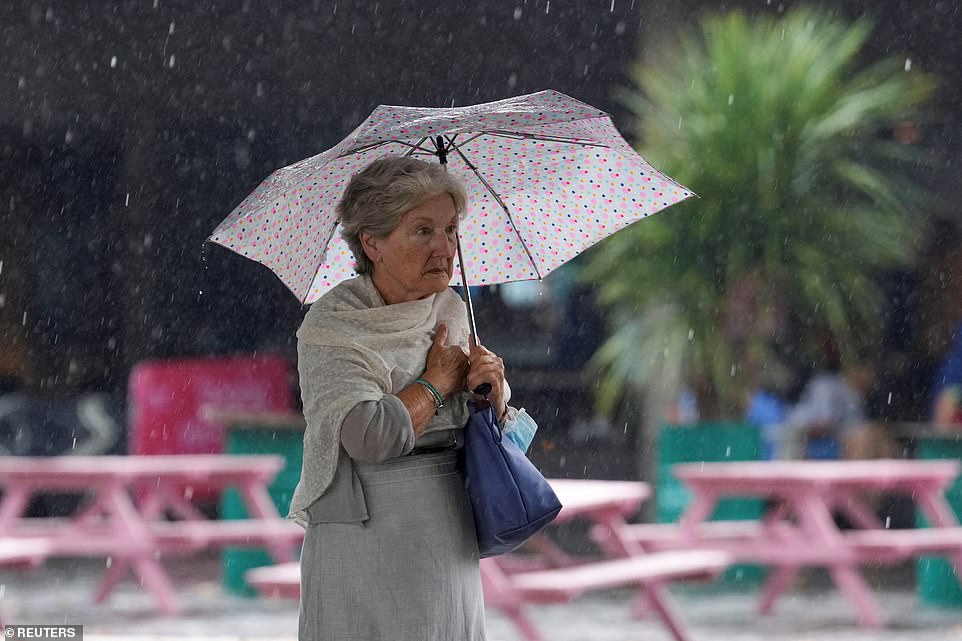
444, 243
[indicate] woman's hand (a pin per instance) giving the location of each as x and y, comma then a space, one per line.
484, 366
447, 365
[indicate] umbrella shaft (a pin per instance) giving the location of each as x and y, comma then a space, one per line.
467, 299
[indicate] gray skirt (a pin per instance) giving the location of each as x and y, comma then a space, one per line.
408, 573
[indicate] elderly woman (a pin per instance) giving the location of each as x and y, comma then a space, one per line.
390, 550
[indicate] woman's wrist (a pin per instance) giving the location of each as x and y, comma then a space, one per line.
436, 396
436, 382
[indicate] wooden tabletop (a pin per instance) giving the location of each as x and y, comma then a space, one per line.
579, 497
880, 473
186, 467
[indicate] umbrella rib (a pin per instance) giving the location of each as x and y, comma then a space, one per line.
507, 212
359, 150
571, 141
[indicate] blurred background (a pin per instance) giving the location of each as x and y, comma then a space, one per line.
129, 129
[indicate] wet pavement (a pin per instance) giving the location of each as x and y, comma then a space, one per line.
60, 592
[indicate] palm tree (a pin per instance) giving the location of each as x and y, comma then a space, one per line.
804, 195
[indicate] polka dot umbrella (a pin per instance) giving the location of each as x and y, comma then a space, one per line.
547, 176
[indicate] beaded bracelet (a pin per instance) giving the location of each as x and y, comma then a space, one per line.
438, 399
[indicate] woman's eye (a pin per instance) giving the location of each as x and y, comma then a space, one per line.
453, 229
424, 231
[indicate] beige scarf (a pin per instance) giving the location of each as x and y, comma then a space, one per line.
352, 348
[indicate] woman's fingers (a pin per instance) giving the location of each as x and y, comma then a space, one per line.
485, 367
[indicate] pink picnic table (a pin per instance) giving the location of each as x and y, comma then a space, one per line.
127, 500
607, 505
800, 529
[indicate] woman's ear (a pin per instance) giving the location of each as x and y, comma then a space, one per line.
369, 245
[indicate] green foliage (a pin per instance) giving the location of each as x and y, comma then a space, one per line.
804, 195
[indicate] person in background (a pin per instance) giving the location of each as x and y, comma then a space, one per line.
390, 552
947, 411
830, 421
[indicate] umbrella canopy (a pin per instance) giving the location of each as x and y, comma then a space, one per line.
547, 176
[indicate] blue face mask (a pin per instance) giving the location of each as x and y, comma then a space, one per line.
519, 428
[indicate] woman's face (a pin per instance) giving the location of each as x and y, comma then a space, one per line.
417, 258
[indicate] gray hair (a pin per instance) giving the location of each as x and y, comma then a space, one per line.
381, 193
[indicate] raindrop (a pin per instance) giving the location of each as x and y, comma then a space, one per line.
21, 83
612, 9
172, 59
517, 13
113, 62
890, 398
908, 64
127, 200
1, 267
547, 7
731, 99
691, 334
24, 321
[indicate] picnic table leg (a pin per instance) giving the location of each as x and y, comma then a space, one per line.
14, 503
698, 512
159, 498
664, 605
517, 616
110, 579
937, 510
260, 505
777, 582
554, 555
816, 520
856, 510
140, 555
258, 500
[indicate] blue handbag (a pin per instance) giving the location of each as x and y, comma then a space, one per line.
510, 498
